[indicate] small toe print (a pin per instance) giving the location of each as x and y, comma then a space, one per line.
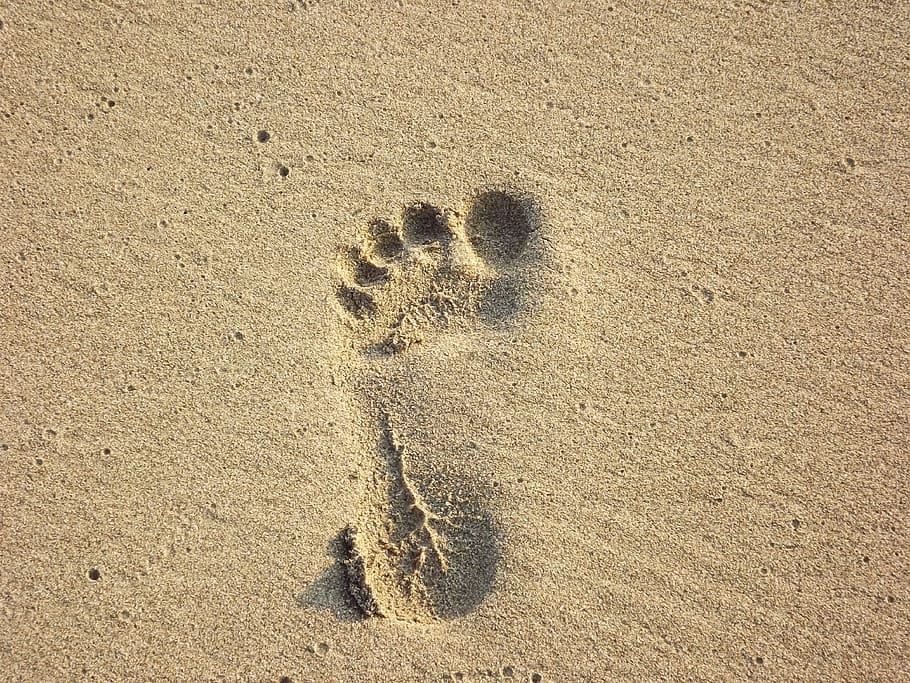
424, 223
386, 240
357, 302
367, 273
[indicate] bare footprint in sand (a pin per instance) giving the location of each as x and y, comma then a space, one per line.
424, 546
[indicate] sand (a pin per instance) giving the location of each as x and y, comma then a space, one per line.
468, 341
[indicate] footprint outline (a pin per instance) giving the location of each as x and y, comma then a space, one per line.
433, 268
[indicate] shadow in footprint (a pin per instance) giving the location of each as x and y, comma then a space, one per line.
473, 554
330, 591
387, 242
367, 273
356, 302
504, 300
501, 227
424, 223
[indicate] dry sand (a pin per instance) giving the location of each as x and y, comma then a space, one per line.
537, 341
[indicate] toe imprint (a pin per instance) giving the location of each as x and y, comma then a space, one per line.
500, 225
386, 239
356, 302
367, 273
433, 270
424, 223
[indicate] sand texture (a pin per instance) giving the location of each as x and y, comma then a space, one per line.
454, 341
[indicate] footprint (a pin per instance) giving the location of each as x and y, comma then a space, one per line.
425, 546
417, 556
436, 270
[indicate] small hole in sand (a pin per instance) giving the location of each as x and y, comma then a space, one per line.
759, 660
536, 678
286, 679
106, 451
238, 335
263, 136
283, 171
890, 599
741, 354
94, 574
796, 523
850, 162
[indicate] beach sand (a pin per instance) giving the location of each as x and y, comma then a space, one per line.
462, 341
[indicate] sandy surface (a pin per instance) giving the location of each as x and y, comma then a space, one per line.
536, 341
